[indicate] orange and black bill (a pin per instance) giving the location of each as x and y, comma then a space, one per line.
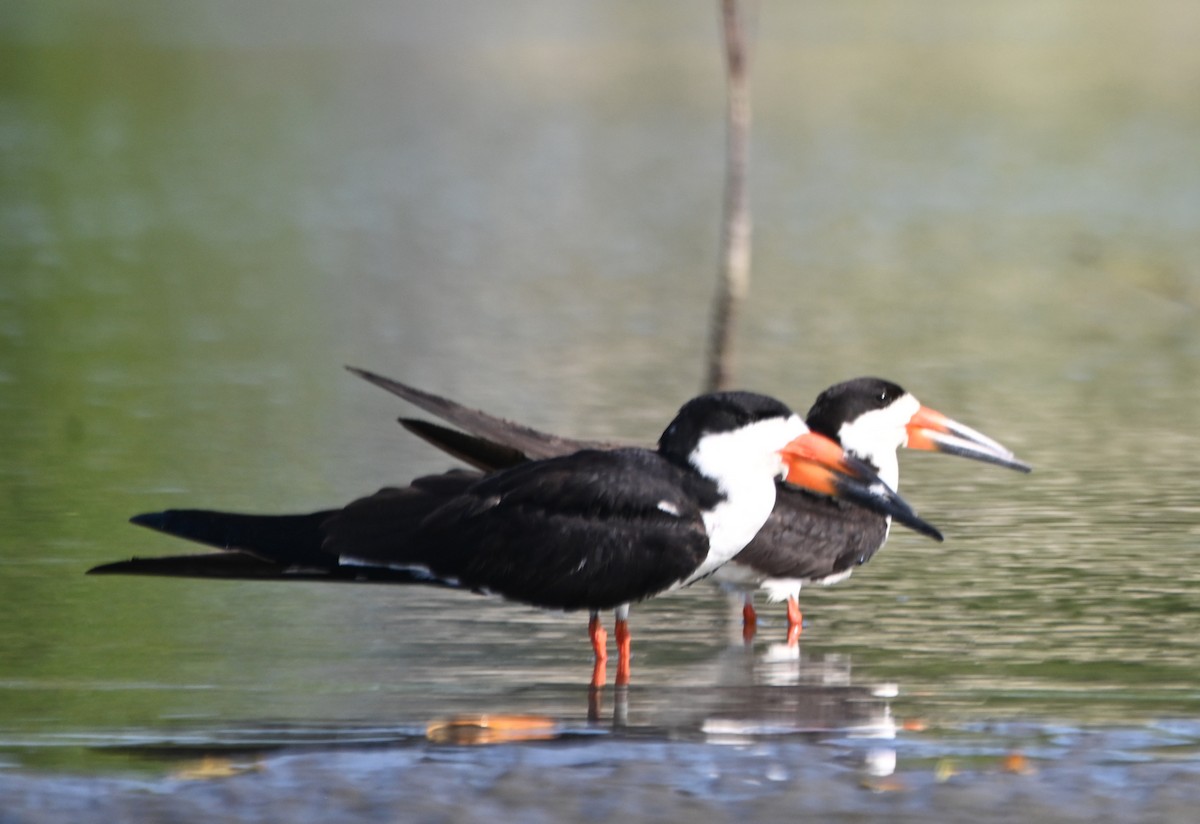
817, 463
930, 429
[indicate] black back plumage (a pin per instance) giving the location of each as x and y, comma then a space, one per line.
594, 529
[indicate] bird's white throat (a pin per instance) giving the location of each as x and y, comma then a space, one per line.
744, 463
875, 436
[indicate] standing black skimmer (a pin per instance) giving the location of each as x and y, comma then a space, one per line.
592, 529
808, 538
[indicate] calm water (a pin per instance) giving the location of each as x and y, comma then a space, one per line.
205, 215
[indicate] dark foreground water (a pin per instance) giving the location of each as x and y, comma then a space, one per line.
205, 214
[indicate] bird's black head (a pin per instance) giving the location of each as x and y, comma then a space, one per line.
714, 414
869, 417
846, 402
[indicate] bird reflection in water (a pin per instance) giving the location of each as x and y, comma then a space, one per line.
744, 695
749, 694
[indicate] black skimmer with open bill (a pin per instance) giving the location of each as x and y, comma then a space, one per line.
808, 538
592, 529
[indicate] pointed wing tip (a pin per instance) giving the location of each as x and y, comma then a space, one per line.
112, 568
152, 520
368, 375
371, 377
387, 384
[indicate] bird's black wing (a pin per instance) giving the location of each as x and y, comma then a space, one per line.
810, 536
594, 529
533, 444
478, 452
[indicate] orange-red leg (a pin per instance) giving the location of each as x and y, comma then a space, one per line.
795, 621
623, 649
599, 637
599, 674
749, 620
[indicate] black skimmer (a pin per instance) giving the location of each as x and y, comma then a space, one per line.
591, 529
808, 538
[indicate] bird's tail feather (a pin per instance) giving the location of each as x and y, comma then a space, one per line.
281, 539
